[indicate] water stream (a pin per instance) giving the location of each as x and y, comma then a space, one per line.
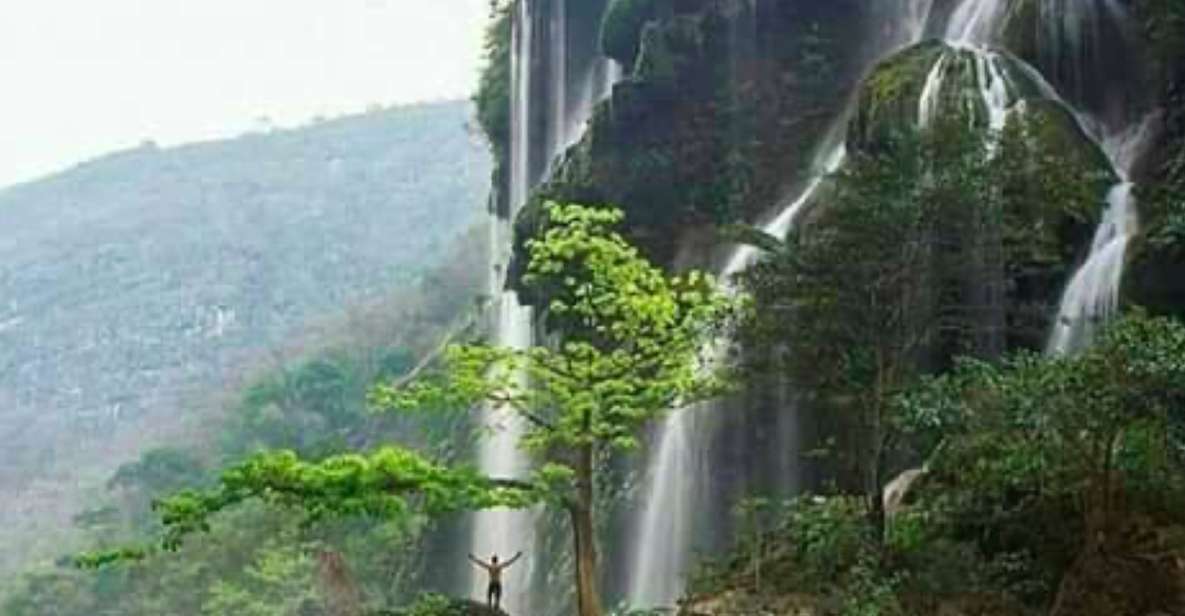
573, 86
1092, 297
677, 478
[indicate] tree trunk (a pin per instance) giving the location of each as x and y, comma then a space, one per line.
584, 541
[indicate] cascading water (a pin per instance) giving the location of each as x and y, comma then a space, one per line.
1071, 30
975, 22
1092, 297
543, 61
970, 29
1072, 43
828, 162
677, 474
929, 100
917, 17
663, 553
506, 532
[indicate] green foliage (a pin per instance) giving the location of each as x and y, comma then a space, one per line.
632, 338
312, 407
830, 535
279, 583
379, 485
160, 470
493, 90
1062, 426
434, 605
321, 388
824, 546
1042, 457
1036, 465
848, 302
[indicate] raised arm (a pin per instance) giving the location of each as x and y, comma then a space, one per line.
516, 557
479, 563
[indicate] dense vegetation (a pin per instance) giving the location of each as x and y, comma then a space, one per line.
312, 401
1050, 486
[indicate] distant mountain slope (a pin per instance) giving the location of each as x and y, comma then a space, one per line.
134, 281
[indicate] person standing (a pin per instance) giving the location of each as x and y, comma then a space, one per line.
494, 569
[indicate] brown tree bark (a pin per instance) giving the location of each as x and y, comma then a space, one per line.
583, 535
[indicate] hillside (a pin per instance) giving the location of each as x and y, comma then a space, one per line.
133, 285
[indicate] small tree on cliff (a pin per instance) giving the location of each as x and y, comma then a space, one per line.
631, 340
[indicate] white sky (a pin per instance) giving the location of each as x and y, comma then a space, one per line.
79, 78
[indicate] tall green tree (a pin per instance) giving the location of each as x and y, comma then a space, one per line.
632, 344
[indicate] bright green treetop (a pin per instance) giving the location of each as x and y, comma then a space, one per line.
633, 340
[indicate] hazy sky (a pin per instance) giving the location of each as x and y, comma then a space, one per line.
84, 77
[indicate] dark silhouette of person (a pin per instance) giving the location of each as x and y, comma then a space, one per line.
494, 569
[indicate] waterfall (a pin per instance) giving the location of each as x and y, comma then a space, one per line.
829, 161
677, 478
661, 557
970, 30
520, 110
929, 100
550, 62
677, 475
917, 17
663, 552
975, 22
1092, 297
505, 532
1079, 41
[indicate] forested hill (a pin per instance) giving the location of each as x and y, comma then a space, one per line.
131, 283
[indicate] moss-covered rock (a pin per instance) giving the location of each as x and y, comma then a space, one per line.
889, 100
718, 119
953, 81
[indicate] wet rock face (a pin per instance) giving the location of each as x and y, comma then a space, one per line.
1090, 50
722, 106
